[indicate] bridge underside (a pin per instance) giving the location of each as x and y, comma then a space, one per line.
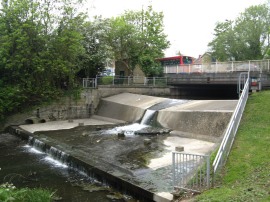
212, 85
204, 91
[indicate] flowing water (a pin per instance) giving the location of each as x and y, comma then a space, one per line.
147, 116
25, 166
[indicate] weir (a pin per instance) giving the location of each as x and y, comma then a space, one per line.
147, 116
83, 165
139, 165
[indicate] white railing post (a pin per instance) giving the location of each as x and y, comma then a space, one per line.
173, 167
96, 82
208, 171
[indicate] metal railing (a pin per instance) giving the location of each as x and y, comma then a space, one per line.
219, 67
196, 70
124, 81
89, 83
191, 171
231, 130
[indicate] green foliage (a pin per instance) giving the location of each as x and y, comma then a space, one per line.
107, 80
10, 193
246, 175
46, 45
97, 51
137, 38
11, 97
246, 38
38, 51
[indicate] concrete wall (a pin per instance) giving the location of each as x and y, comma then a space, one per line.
196, 122
202, 117
127, 106
207, 118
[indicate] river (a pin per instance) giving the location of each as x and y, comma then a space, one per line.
25, 166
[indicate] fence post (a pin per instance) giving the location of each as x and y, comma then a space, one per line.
208, 171
154, 81
173, 167
96, 82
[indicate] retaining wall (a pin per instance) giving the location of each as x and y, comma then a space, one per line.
126, 106
207, 117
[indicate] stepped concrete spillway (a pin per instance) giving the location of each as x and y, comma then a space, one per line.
143, 170
127, 106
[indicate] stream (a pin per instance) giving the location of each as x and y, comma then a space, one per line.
25, 166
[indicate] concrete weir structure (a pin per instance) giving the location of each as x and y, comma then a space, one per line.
139, 165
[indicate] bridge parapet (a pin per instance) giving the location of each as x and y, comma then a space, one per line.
219, 67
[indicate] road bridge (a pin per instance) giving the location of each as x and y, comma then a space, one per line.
217, 80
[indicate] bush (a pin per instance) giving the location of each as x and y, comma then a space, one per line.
106, 80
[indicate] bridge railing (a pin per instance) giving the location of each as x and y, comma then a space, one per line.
219, 67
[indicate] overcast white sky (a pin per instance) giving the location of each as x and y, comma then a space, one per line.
189, 24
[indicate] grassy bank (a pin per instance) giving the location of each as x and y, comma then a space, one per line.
247, 172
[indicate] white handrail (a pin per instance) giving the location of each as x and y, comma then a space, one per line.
231, 129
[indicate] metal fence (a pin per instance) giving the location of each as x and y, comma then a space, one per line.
219, 67
231, 130
191, 171
124, 81
89, 83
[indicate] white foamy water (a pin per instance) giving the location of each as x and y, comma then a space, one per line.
55, 162
32, 149
147, 116
128, 129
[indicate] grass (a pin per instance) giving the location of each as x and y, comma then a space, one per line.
246, 176
10, 193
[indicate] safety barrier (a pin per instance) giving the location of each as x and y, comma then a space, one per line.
231, 130
191, 171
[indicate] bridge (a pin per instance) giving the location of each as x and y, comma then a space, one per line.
212, 78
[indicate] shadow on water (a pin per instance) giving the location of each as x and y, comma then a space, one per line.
24, 166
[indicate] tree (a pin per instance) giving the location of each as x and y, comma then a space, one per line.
97, 51
245, 39
37, 49
138, 38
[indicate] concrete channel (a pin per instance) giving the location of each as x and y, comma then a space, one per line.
139, 165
